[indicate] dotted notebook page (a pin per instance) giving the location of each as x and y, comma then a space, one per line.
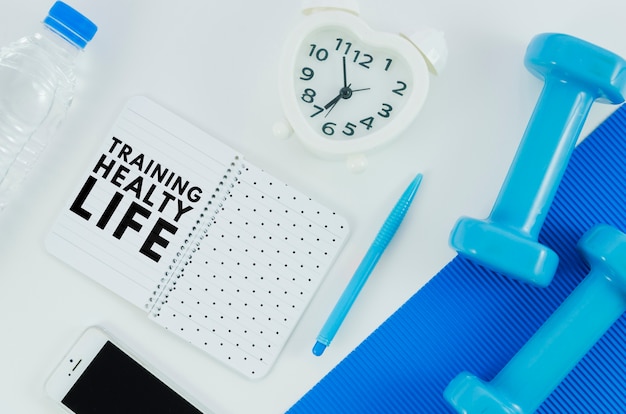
264, 250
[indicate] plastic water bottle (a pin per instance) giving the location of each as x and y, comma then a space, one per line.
36, 88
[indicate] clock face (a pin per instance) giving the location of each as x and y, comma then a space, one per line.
352, 89
349, 89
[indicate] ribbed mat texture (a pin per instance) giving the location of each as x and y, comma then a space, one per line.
471, 319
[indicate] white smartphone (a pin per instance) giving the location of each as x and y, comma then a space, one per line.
101, 375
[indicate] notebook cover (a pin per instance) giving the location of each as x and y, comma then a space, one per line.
468, 318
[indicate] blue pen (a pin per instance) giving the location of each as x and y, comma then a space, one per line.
368, 263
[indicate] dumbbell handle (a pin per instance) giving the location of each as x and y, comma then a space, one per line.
542, 157
561, 342
575, 74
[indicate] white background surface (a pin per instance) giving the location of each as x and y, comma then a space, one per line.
215, 64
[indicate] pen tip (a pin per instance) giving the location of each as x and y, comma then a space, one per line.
418, 179
319, 348
411, 190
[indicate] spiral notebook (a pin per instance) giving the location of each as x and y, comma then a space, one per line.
214, 249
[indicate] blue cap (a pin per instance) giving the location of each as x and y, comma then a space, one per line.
70, 24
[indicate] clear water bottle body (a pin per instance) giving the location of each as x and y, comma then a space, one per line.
37, 83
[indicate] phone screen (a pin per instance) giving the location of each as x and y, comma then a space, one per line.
115, 383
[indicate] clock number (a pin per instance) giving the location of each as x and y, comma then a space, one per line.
307, 74
388, 64
340, 42
328, 128
309, 95
386, 111
321, 54
368, 122
318, 111
349, 129
399, 90
365, 60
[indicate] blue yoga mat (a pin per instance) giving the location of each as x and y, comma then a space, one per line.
468, 318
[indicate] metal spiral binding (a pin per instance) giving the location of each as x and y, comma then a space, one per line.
191, 244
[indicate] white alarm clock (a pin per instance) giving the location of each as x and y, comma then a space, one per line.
346, 89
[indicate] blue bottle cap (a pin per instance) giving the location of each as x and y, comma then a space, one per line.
70, 24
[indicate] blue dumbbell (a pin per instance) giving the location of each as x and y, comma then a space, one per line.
561, 342
576, 73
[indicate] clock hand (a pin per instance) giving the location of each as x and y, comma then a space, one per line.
331, 105
344, 93
333, 102
345, 77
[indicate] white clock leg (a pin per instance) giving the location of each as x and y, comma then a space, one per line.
282, 129
356, 163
